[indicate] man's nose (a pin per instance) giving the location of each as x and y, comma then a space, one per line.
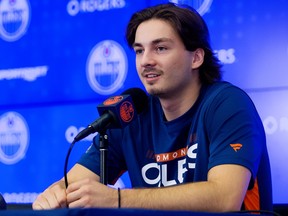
148, 59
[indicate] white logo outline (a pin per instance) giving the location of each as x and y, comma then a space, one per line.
202, 9
14, 134
107, 58
20, 12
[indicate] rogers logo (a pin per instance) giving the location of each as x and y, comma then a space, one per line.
127, 111
75, 7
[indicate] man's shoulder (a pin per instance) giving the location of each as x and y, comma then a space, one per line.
223, 88
220, 85
224, 94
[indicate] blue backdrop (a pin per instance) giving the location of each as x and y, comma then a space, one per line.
59, 60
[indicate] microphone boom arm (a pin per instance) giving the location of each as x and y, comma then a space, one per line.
99, 125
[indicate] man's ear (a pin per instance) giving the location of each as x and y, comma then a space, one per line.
198, 58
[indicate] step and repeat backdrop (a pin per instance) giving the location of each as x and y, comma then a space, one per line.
60, 59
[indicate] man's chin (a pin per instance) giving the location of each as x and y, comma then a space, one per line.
156, 92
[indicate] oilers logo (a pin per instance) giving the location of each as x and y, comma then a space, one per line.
202, 6
14, 19
106, 67
14, 137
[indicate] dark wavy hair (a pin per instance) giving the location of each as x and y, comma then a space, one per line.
191, 28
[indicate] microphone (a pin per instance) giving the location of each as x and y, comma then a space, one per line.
3, 204
117, 112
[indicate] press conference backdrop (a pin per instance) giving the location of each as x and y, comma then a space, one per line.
59, 59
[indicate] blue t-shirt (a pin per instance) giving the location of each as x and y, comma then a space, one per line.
222, 127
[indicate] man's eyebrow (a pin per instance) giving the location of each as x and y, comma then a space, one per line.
156, 41
136, 45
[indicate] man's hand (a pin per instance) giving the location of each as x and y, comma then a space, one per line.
88, 193
52, 197
55, 195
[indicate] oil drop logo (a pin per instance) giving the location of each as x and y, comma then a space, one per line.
14, 19
14, 137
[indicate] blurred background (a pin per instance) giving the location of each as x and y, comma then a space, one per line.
59, 60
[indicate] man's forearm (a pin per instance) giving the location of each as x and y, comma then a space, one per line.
225, 191
193, 196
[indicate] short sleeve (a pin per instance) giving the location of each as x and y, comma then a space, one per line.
235, 130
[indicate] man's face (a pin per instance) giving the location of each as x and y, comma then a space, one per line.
163, 64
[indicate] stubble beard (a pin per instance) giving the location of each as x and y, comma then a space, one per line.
158, 92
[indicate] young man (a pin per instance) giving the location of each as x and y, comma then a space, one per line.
200, 144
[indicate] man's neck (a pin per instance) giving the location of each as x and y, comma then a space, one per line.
175, 106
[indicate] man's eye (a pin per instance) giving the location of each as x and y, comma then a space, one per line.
138, 51
161, 49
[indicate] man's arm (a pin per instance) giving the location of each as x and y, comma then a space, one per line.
55, 195
224, 191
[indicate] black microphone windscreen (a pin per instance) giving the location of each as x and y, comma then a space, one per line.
117, 111
139, 98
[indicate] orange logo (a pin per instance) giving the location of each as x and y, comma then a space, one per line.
126, 111
171, 155
113, 100
236, 146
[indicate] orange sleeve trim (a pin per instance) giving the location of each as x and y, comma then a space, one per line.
252, 200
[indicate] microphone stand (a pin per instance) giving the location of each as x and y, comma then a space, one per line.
103, 139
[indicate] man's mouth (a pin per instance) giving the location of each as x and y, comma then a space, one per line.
151, 75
